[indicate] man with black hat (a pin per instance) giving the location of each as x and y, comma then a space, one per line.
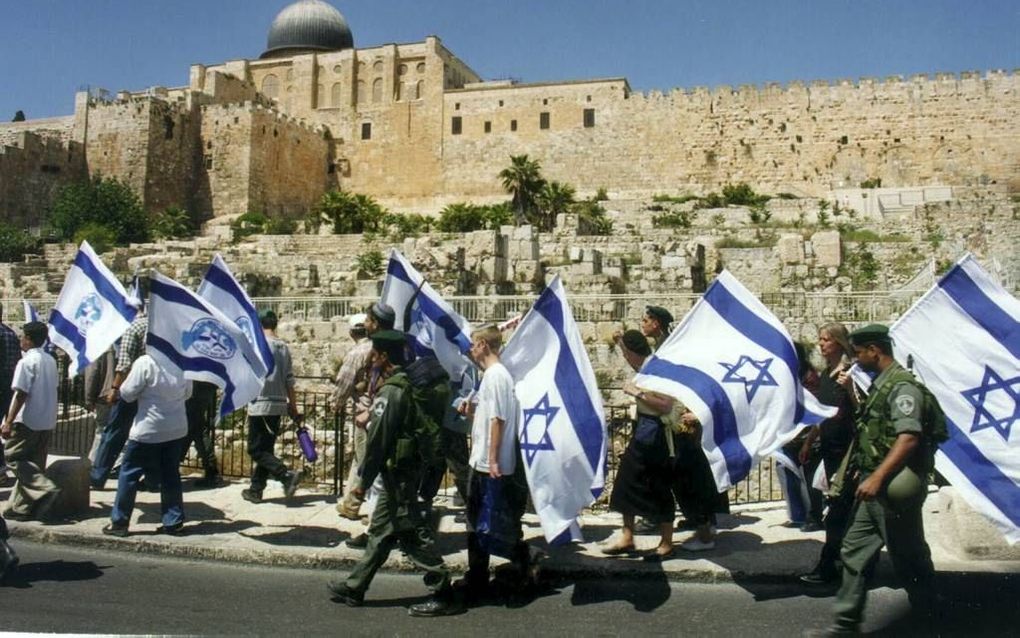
393, 452
354, 381
892, 456
276, 399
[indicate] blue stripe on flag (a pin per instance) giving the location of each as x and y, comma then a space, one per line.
104, 287
229, 285
724, 420
982, 472
996, 321
431, 309
759, 331
173, 294
570, 384
69, 331
195, 364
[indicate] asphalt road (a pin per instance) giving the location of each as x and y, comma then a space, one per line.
71, 590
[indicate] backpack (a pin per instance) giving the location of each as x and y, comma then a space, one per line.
428, 388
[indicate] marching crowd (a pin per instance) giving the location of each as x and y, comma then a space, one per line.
413, 424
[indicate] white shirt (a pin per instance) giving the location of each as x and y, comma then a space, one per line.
496, 399
161, 416
36, 376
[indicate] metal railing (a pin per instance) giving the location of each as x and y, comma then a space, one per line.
847, 307
331, 432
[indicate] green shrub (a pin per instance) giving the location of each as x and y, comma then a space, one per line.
279, 226
406, 225
712, 200
107, 202
172, 223
674, 199
785, 195
601, 195
872, 182
592, 218
348, 213
370, 263
15, 243
674, 219
465, 218
101, 238
250, 223
759, 214
731, 241
742, 195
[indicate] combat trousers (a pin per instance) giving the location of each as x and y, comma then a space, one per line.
26, 455
262, 433
399, 520
872, 526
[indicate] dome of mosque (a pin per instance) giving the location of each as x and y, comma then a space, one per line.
308, 26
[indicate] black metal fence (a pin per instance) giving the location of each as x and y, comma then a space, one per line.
330, 430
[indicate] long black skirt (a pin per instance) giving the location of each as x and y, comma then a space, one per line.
644, 477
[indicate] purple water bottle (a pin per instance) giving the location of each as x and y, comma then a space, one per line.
307, 444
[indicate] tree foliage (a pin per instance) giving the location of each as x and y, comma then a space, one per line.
173, 223
465, 218
100, 201
348, 213
523, 181
554, 199
15, 243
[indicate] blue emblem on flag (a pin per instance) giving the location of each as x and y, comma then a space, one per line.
89, 311
753, 374
529, 446
244, 323
978, 397
209, 338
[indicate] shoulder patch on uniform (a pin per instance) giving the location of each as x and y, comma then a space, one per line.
379, 406
906, 404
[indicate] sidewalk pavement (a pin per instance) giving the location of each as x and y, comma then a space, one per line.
305, 531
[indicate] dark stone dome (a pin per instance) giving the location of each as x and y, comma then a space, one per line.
308, 26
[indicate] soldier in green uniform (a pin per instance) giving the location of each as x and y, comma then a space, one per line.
892, 456
399, 516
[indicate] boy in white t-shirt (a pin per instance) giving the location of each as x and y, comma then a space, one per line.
497, 492
27, 427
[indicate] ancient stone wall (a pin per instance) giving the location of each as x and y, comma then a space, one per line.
288, 166
32, 169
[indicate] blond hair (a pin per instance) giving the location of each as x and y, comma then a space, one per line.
490, 334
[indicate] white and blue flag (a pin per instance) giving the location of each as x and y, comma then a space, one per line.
963, 339
30, 311
189, 334
562, 432
220, 288
92, 311
732, 363
435, 327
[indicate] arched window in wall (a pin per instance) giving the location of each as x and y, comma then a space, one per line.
377, 90
419, 88
362, 92
271, 86
378, 66
334, 95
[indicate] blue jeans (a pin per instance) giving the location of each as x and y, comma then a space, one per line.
154, 459
115, 433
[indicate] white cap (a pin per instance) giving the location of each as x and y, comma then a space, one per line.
357, 320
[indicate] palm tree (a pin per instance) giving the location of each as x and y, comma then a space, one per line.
555, 198
522, 180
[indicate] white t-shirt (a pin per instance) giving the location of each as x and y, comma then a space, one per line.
161, 395
496, 399
36, 376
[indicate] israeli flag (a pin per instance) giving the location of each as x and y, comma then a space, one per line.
963, 338
433, 324
30, 312
562, 432
189, 334
732, 363
92, 311
220, 288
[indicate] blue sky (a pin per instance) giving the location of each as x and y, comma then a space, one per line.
49, 48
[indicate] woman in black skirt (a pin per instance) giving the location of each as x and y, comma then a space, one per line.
643, 479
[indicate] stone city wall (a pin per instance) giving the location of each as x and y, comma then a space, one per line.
32, 169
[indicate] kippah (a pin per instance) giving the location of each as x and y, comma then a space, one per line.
636, 342
383, 313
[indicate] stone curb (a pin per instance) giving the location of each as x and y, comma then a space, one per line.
554, 567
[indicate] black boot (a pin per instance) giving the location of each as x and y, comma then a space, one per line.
8, 560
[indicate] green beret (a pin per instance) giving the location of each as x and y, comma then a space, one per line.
871, 333
661, 315
387, 340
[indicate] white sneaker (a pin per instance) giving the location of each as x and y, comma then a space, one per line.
695, 545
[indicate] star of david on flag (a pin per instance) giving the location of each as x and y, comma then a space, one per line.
732, 363
563, 432
535, 428
744, 369
963, 337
